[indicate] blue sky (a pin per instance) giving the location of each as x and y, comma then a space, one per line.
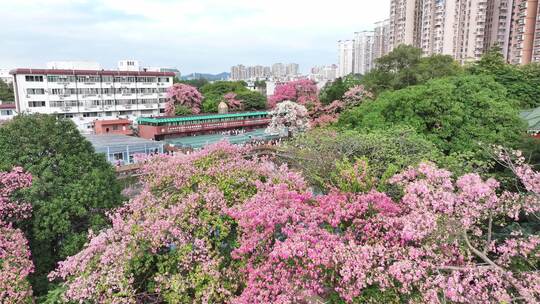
193, 35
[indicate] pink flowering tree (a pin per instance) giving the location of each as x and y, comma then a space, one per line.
219, 226
231, 101
302, 91
15, 262
325, 115
434, 245
183, 95
172, 243
356, 95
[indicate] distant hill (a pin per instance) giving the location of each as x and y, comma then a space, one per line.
209, 77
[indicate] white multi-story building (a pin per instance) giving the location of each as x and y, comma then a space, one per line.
363, 52
129, 65
89, 95
278, 70
345, 57
292, 69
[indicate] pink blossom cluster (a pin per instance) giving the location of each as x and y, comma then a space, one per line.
179, 221
184, 95
15, 262
302, 91
232, 102
356, 95
222, 227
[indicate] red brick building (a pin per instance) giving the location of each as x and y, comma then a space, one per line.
116, 126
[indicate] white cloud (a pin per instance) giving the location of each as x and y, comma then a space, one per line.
195, 35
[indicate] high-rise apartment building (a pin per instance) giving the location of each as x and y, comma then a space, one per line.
292, 69
363, 52
525, 32
345, 57
278, 70
404, 19
381, 39
238, 72
466, 29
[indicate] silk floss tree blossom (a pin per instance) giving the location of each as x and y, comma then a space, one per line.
288, 118
183, 95
231, 101
303, 91
173, 242
219, 227
356, 95
15, 262
436, 244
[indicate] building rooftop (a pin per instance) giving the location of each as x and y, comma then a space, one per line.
25, 71
157, 120
532, 117
118, 143
8, 106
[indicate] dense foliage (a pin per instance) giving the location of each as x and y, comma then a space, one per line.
72, 189
455, 113
521, 82
173, 243
197, 83
335, 90
323, 155
405, 66
215, 227
6, 92
215, 92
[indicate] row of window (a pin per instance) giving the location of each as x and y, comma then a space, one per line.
101, 114
215, 120
96, 103
95, 91
95, 78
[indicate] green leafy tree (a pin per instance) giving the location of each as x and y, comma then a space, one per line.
521, 82
72, 187
405, 66
198, 83
455, 113
333, 91
214, 92
6, 92
252, 100
324, 155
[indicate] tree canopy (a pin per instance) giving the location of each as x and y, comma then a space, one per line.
6, 92
405, 66
455, 113
215, 92
521, 82
72, 188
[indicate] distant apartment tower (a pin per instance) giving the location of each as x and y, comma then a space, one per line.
525, 32
292, 69
345, 57
238, 72
89, 95
363, 52
404, 15
381, 39
278, 70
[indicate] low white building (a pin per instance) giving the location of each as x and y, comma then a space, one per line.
7, 111
89, 95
